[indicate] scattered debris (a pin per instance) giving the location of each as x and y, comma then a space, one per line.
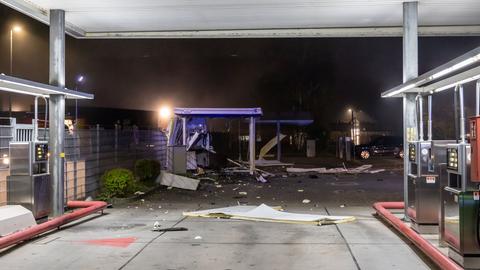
261, 179
242, 193
198, 237
376, 171
156, 225
268, 214
139, 193
173, 180
200, 171
171, 229
245, 168
342, 205
300, 190
271, 163
306, 201
322, 170
206, 178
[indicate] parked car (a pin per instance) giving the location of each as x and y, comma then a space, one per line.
381, 146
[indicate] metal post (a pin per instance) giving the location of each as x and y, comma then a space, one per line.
239, 142
279, 142
11, 73
97, 148
57, 109
184, 131
420, 117
354, 137
429, 117
462, 114
116, 143
410, 70
251, 145
456, 113
477, 98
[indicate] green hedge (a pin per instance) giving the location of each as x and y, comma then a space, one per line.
118, 182
147, 169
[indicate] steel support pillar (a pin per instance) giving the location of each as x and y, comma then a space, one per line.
57, 110
251, 145
279, 145
410, 71
184, 131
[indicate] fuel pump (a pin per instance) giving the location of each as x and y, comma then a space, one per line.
461, 198
29, 181
423, 185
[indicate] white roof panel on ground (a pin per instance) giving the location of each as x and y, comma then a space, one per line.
255, 18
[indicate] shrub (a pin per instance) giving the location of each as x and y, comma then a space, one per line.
147, 169
118, 182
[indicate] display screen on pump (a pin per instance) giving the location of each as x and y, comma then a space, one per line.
412, 152
452, 156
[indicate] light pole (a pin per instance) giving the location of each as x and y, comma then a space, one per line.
14, 29
350, 110
80, 79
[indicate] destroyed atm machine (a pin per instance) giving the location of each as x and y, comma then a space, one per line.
29, 181
461, 197
423, 184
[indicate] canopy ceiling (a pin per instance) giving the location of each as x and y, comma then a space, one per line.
252, 18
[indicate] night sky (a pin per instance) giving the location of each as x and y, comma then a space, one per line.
321, 76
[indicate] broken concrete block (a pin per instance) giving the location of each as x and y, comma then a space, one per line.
178, 181
15, 218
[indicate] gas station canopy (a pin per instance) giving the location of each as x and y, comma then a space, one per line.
26, 87
252, 18
463, 69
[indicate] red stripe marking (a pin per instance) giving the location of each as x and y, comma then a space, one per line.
113, 242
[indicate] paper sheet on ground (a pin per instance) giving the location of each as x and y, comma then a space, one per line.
268, 214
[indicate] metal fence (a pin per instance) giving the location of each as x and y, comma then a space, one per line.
90, 152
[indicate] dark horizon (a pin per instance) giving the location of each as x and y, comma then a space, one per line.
324, 76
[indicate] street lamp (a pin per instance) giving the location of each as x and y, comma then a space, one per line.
14, 29
165, 112
350, 110
80, 80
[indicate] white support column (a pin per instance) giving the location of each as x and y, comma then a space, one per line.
57, 110
410, 70
251, 145
279, 145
